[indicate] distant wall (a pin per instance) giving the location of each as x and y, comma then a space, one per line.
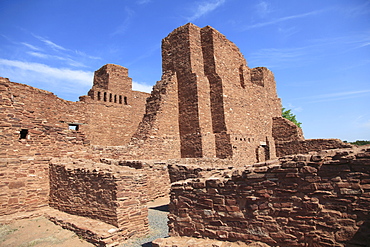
285, 130
309, 145
320, 199
115, 195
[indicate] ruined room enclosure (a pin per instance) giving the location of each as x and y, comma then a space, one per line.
210, 134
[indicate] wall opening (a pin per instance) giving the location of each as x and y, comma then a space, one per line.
115, 98
74, 127
125, 100
241, 76
99, 96
23, 134
105, 97
110, 97
120, 99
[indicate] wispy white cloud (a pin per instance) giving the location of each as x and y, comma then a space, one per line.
273, 57
68, 60
37, 54
337, 96
122, 28
143, 1
31, 46
82, 54
51, 44
282, 19
357, 10
142, 87
78, 76
204, 8
313, 50
263, 8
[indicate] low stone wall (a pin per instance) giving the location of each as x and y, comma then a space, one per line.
305, 146
321, 199
182, 169
24, 184
115, 195
158, 181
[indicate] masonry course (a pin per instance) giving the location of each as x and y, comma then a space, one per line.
106, 155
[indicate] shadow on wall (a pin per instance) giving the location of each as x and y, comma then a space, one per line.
361, 237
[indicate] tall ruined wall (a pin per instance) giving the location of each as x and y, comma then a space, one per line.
182, 54
112, 194
30, 133
113, 124
224, 108
157, 136
321, 199
243, 100
113, 110
35, 126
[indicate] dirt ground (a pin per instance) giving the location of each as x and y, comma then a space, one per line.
38, 232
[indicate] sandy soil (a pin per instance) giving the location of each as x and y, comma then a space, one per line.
38, 232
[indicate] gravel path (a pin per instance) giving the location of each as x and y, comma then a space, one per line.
157, 217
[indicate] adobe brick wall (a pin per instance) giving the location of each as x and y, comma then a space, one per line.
318, 199
115, 195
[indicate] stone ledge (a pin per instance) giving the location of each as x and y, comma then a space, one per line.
93, 231
193, 242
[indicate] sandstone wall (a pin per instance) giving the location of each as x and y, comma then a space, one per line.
182, 54
28, 137
284, 130
320, 199
24, 184
225, 109
305, 146
156, 172
157, 136
115, 195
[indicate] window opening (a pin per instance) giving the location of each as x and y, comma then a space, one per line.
120, 99
23, 134
98, 95
105, 96
125, 99
73, 127
110, 97
115, 98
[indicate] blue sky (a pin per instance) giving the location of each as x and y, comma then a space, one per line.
318, 50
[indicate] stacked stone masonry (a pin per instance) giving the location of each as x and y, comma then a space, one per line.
113, 146
317, 199
115, 195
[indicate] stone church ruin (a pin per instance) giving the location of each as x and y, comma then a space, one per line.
210, 134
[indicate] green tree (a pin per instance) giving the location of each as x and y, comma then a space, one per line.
360, 142
290, 116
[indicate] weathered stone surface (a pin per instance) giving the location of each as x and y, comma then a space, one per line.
210, 119
329, 211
